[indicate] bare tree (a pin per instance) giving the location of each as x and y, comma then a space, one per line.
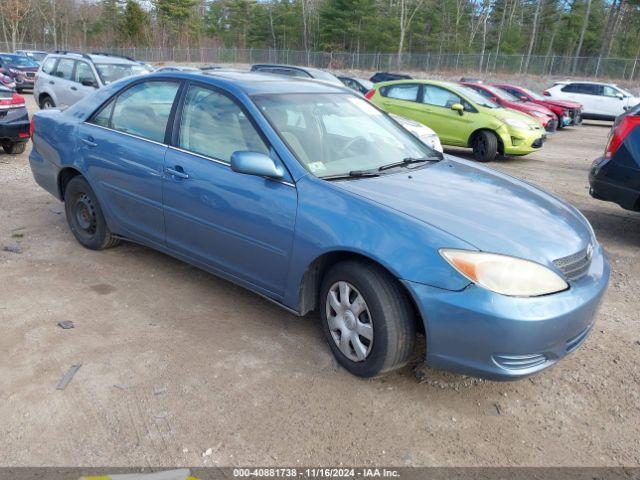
408, 10
534, 32
13, 14
585, 24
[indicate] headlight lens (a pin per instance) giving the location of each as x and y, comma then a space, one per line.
514, 123
503, 274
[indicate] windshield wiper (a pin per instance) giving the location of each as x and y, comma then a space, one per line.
352, 174
409, 161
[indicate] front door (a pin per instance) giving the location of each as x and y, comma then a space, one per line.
451, 127
240, 225
123, 146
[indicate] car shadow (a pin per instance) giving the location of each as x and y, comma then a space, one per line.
617, 225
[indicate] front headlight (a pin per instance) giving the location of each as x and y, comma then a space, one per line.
503, 274
515, 123
538, 114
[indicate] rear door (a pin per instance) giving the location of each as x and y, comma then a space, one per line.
239, 225
123, 147
585, 93
402, 99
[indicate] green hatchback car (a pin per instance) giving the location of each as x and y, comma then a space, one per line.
461, 117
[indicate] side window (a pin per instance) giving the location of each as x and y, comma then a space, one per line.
214, 125
103, 117
84, 72
571, 88
48, 65
64, 68
403, 91
610, 91
439, 97
144, 109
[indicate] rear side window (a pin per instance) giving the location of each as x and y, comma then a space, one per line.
583, 88
64, 68
48, 65
405, 91
142, 110
215, 126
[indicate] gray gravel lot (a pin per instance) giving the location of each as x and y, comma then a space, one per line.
176, 361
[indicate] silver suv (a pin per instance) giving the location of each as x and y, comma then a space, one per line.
66, 77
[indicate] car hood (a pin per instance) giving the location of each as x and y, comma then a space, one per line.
501, 113
25, 69
564, 104
487, 209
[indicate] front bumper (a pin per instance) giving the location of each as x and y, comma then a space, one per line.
522, 142
23, 81
477, 332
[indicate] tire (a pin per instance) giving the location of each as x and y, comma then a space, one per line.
19, 90
485, 146
47, 103
15, 148
85, 217
560, 124
383, 328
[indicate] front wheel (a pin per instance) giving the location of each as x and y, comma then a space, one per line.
485, 146
47, 103
15, 148
85, 217
367, 319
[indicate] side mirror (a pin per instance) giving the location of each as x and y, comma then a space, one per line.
457, 107
87, 82
494, 99
620, 96
255, 163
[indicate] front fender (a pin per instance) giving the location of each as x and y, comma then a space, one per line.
331, 219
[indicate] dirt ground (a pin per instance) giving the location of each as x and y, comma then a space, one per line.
182, 368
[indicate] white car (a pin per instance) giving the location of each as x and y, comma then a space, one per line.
600, 101
424, 133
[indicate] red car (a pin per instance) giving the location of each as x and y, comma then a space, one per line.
568, 113
503, 98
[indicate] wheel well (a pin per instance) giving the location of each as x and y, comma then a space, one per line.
472, 137
64, 177
42, 97
312, 279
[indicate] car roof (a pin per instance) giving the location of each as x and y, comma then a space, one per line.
438, 83
255, 83
590, 82
96, 58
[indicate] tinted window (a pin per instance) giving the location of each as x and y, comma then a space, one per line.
142, 110
64, 68
47, 66
84, 72
214, 125
439, 97
404, 91
583, 88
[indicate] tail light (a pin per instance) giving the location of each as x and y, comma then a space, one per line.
546, 93
619, 133
370, 94
15, 101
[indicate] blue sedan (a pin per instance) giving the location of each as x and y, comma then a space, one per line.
308, 195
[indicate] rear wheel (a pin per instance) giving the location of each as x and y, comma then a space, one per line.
367, 319
47, 103
485, 146
85, 217
15, 148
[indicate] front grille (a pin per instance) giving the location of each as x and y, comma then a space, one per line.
575, 266
30, 74
537, 143
576, 116
575, 342
519, 362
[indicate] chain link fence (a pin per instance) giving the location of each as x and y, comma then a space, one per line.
462, 63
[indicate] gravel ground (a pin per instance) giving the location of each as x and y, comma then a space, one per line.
182, 368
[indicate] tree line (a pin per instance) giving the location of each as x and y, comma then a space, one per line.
599, 28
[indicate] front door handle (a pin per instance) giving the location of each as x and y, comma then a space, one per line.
74, 88
89, 142
177, 172
51, 82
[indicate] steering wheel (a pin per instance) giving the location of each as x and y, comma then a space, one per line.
351, 143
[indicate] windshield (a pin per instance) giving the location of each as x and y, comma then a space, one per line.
502, 93
626, 93
37, 56
110, 72
18, 60
334, 134
532, 94
473, 96
365, 83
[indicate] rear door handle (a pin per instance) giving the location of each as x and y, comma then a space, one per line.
89, 142
177, 172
